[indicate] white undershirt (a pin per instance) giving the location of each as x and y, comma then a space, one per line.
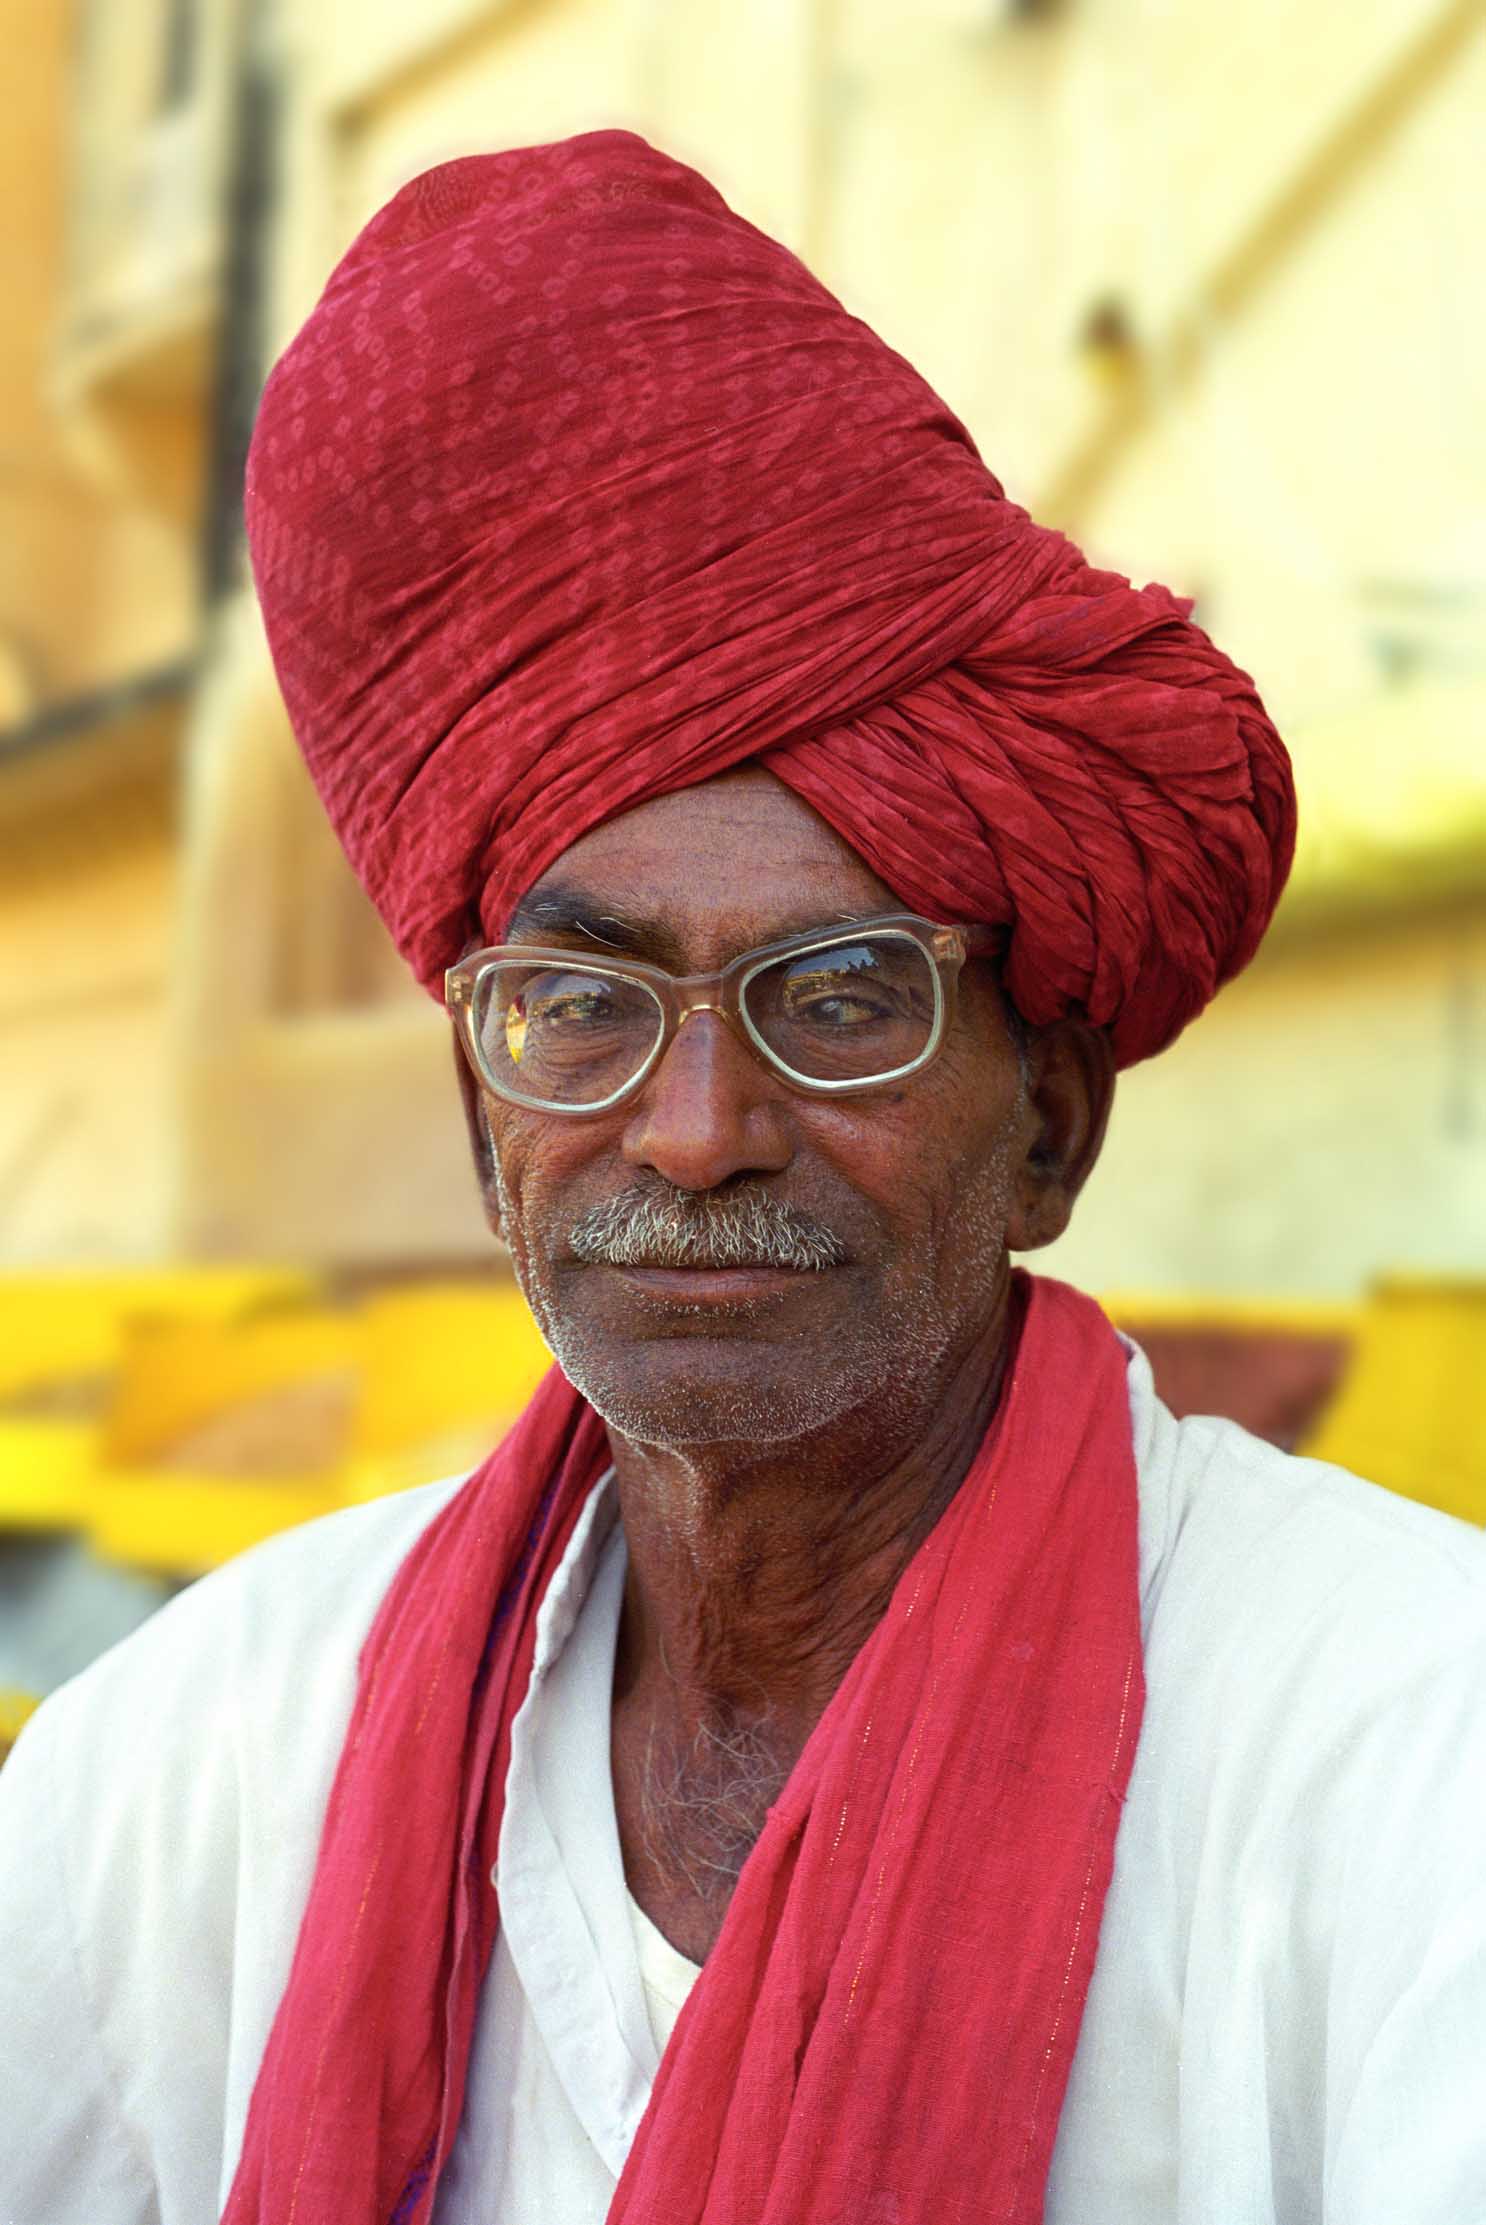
665, 1973
1287, 2020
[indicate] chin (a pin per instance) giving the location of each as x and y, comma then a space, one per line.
696, 1391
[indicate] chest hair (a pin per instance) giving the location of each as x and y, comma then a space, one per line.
704, 1800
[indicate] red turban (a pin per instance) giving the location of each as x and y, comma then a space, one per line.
575, 488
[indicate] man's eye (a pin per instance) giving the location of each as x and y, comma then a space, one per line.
852, 989
558, 1010
587, 1005
837, 1008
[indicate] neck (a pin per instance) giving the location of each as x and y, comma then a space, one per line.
756, 1574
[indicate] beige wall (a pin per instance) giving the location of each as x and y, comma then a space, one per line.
85, 967
1318, 477
1288, 209
1326, 1117
319, 1118
97, 586
98, 481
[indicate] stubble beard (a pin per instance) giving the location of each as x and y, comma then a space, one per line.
883, 1363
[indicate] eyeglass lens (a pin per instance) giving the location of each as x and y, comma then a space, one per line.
567, 1035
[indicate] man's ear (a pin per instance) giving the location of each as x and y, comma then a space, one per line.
482, 1151
1070, 1076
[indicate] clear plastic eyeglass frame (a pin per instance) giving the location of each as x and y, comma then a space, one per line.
723, 993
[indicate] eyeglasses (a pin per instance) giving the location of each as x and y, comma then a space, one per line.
832, 1011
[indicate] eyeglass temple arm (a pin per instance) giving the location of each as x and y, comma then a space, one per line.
980, 942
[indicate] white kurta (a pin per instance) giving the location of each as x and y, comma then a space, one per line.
1287, 2023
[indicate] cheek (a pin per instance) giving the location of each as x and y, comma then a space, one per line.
939, 1171
920, 1169
539, 1169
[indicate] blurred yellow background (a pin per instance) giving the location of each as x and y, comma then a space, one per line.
1207, 285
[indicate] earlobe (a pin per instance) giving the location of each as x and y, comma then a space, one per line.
1070, 1089
1040, 1210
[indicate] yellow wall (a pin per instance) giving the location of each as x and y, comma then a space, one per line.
1318, 477
96, 561
97, 586
1287, 207
85, 964
1326, 1117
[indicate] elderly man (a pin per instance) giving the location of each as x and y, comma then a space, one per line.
850, 1758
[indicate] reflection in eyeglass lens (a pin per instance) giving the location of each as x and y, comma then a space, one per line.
563, 1035
847, 1012
574, 1036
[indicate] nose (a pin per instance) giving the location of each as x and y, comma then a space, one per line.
710, 1110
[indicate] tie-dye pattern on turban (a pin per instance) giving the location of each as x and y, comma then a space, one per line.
575, 488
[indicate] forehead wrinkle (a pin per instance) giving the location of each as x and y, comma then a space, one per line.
570, 912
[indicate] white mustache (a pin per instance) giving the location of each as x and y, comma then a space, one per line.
748, 1229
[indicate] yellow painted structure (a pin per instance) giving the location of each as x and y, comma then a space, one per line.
220, 1433
446, 1370
63, 1343
232, 1407
1245, 1314
71, 1323
1411, 1413
177, 1417
15, 1710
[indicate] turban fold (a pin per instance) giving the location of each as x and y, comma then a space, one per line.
575, 489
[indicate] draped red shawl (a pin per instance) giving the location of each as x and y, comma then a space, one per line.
883, 2031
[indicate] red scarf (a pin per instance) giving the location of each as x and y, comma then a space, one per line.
883, 2032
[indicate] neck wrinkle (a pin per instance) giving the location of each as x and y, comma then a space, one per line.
752, 1586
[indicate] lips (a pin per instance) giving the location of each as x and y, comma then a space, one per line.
715, 1286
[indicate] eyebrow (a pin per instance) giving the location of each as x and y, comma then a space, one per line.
557, 910
573, 915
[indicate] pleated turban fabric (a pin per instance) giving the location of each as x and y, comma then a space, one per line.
575, 488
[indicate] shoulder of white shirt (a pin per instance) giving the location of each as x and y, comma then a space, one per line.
1350, 1592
